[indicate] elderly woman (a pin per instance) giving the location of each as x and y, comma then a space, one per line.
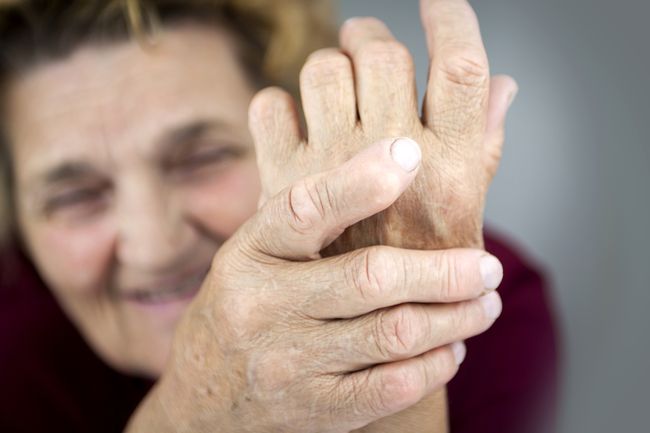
184, 255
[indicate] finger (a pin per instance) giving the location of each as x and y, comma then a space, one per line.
384, 75
405, 331
327, 89
390, 388
305, 217
275, 127
503, 90
457, 92
368, 279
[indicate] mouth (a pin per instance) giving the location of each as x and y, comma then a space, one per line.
177, 291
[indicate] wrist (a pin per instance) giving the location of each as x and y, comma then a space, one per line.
175, 405
152, 414
427, 416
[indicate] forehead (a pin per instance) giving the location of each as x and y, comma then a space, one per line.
116, 99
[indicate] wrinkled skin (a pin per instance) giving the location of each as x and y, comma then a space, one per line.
140, 224
364, 92
373, 74
460, 135
322, 345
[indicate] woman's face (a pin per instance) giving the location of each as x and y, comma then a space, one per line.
132, 166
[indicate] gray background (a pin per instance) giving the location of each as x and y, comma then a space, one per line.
574, 184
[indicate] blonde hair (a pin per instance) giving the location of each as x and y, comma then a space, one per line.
275, 38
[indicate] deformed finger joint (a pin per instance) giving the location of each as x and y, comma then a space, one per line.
466, 69
366, 275
395, 333
313, 203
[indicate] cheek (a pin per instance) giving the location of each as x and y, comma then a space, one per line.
224, 204
74, 260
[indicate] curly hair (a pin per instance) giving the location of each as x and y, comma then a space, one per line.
274, 38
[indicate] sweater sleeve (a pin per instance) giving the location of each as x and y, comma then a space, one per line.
51, 380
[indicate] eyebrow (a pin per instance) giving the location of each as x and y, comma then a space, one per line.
187, 134
67, 171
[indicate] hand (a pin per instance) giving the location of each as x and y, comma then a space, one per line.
373, 75
279, 339
461, 132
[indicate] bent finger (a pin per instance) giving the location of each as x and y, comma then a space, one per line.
456, 98
385, 75
307, 216
328, 97
275, 127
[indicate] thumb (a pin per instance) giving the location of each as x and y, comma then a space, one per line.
307, 216
503, 90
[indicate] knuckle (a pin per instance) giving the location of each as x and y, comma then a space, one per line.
310, 201
396, 334
451, 286
400, 388
324, 67
368, 276
268, 103
386, 53
466, 67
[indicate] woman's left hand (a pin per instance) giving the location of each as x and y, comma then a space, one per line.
365, 92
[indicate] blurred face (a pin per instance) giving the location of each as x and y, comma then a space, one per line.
131, 168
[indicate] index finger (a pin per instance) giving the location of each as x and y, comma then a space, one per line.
368, 279
455, 106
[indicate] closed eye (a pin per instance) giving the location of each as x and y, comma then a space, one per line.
82, 201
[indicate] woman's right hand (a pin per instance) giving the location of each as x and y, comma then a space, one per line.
280, 339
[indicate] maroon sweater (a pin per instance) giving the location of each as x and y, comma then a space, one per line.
51, 381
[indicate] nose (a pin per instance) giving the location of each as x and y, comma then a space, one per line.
153, 234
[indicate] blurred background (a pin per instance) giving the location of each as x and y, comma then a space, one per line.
574, 185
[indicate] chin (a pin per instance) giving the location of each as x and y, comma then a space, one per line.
143, 344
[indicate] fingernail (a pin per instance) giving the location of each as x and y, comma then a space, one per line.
459, 350
406, 153
491, 305
491, 271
